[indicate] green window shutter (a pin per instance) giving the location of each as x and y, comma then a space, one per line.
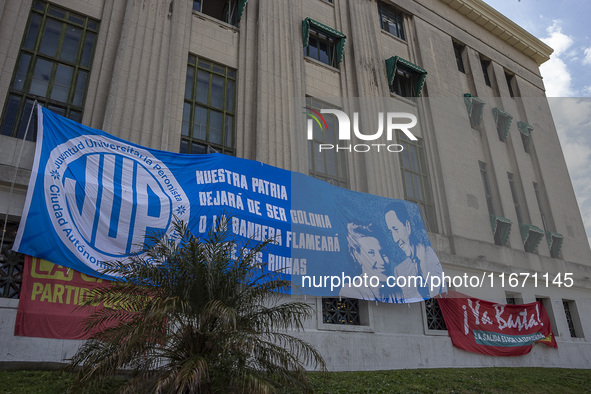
554, 240
498, 113
393, 63
241, 6
337, 35
524, 128
469, 100
506, 230
306, 31
532, 233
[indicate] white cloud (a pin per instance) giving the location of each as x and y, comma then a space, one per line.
557, 76
587, 58
559, 41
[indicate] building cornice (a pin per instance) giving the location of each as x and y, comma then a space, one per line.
502, 27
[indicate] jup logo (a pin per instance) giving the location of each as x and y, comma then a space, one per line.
104, 199
114, 201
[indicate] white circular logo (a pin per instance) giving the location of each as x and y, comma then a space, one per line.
107, 198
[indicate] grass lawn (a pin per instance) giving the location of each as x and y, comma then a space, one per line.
457, 380
453, 380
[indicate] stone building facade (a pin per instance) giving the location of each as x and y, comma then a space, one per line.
231, 76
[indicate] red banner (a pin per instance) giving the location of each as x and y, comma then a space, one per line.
495, 329
50, 298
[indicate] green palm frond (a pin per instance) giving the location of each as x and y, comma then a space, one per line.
188, 317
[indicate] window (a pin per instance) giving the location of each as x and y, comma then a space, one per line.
503, 121
434, 316
555, 241
11, 264
540, 206
405, 78
53, 67
501, 227
328, 164
459, 53
415, 179
572, 319
475, 108
525, 131
322, 43
510, 81
229, 11
321, 47
513, 298
515, 197
531, 237
341, 311
487, 189
485, 64
209, 108
391, 20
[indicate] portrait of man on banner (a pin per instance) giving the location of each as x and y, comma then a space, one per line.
419, 258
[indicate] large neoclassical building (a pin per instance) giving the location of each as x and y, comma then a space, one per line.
231, 76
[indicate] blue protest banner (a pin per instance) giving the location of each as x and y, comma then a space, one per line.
94, 197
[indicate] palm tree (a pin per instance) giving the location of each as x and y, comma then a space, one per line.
197, 315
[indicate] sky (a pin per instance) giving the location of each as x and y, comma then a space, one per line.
565, 26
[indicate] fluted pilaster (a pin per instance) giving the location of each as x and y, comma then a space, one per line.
147, 70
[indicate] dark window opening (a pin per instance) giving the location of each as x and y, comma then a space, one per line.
405, 82
459, 51
341, 311
434, 315
327, 165
510, 80
572, 318
501, 233
53, 67
538, 199
515, 197
391, 20
415, 179
11, 264
485, 64
209, 109
487, 189
225, 11
321, 47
